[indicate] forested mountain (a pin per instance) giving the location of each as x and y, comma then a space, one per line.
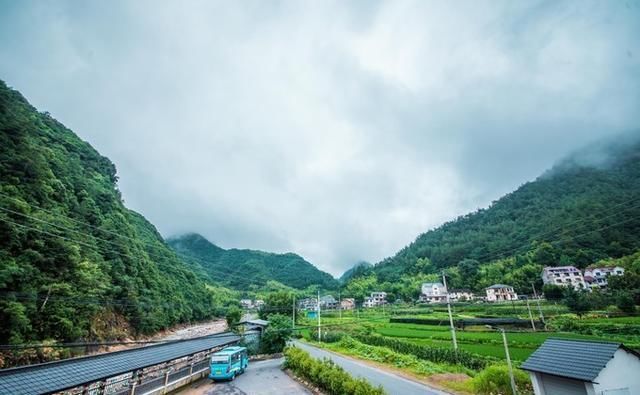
75, 263
584, 209
357, 269
242, 268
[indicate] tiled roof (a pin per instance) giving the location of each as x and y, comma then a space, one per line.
576, 359
60, 375
496, 286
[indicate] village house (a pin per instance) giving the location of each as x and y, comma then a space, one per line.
246, 303
596, 277
577, 367
376, 299
308, 304
433, 293
348, 304
328, 302
500, 293
461, 295
564, 276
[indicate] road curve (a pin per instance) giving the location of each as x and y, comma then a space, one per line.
260, 378
392, 383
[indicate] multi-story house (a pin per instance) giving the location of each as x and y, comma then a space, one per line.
433, 293
328, 302
461, 295
376, 299
348, 304
565, 276
246, 303
596, 277
500, 293
309, 304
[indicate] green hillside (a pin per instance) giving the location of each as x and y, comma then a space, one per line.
356, 270
75, 263
242, 268
585, 209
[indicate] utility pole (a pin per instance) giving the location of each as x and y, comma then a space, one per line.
535, 295
506, 351
453, 329
340, 304
319, 332
293, 311
533, 325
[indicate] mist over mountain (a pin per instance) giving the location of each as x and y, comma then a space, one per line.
586, 208
240, 269
357, 269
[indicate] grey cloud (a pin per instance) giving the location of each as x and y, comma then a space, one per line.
337, 130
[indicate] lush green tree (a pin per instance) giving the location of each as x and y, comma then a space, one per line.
234, 315
277, 333
553, 292
576, 301
280, 302
72, 256
625, 302
468, 270
627, 283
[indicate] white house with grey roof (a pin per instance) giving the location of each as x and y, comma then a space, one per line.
433, 293
500, 293
576, 367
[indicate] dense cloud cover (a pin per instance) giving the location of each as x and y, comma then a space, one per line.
336, 130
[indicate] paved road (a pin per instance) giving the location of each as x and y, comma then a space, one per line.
260, 378
393, 384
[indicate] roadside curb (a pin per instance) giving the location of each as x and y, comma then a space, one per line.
310, 387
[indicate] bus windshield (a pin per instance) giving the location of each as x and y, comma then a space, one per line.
220, 359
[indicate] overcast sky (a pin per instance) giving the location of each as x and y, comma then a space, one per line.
336, 130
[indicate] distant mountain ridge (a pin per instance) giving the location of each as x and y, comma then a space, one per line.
586, 208
239, 269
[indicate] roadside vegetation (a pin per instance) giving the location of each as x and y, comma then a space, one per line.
326, 375
425, 351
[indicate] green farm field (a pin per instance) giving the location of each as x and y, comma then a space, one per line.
479, 340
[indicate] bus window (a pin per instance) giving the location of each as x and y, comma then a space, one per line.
219, 360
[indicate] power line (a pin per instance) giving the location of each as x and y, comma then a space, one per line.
106, 252
509, 252
225, 276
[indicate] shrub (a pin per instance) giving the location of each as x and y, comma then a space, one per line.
233, 316
495, 380
625, 302
332, 336
327, 375
275, 336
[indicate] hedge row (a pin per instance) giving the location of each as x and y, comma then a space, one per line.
462, 322
326, 375
433, 354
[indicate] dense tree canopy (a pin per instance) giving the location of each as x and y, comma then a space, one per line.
579, 212
74, 262
240, 269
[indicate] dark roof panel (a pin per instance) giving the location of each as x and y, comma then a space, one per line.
576, 359
60, 375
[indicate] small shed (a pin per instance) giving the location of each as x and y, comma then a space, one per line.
577, 367
255, 325
253, 331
